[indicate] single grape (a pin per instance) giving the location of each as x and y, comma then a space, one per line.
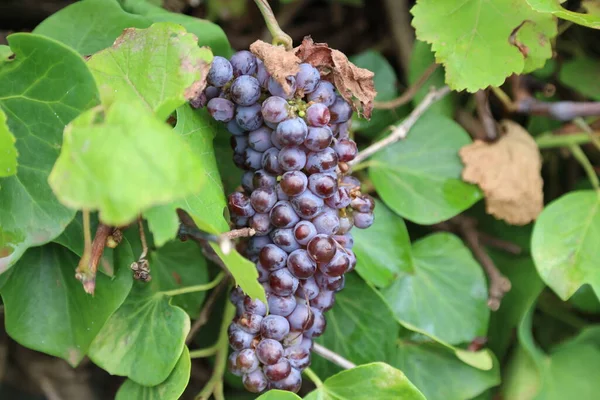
211, 92
239, 222
318, 139
338, 266
323, 185
292, 132
346, 240
281, 305
236, 295
340, 110
341, 131
292, 383
261, 224
255, 381
221, 109
340, 199
325, 282
323, 93
231, 364
319, 324
278, 371
363, 203
352, 257
263, 199
363, 220
327, 223
247, 181
277, 90
269, 351
280, 194
275, 139
321, 248
255, 306
300, 264
284, 238
293, 183
283, 215
263, 273
291, 158
308, 289
307, 205
317, 115
346, 223
239, 204
322, 161
256, 243
239, 340
307, 343
307, 78
234, 128
283, 283
220, 72
272, 257
324, 300
275, 109
249, 322
239, 143
261, 73
299, 356
262, 179
301, 319
245, 90
274, 327
345, 149
248, 117
243, 63
304, 231
294, 338
350, 182
252, 158
270, 161
260, 139
247, 361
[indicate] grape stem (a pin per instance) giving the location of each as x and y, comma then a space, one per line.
279, 36
313, 377
409, 93
485, 115
88, 265
195, 288
204, 315
333, 357
586, 165
400, 131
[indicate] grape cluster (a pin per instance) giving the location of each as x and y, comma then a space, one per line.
293, 147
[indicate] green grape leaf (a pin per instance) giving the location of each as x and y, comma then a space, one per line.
278, 395
564, 243
143, 339
71, 318
365, 382
591, 19
386, 83
442, 291
179, 264
419, 177
421, 59
383, 249
360, 327
8, 151
580, 74
469, 37
171, 389
436, 372
208, 33
42, 89
585, 300
86, 175
160, 67
80, 26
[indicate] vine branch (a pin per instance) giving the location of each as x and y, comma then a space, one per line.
400, 131
88, 265
485, 115
333, 357
204, 315
196, 288
586, 165
409, 93
279, 36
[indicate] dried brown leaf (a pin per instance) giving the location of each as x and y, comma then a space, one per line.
509, 173
279, 63
353, 83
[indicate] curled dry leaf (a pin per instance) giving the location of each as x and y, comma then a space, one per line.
509, 173
279, 63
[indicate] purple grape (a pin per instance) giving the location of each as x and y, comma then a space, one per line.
346, 223
269, 351
319, 325
277, 90
247, 361
323, 93
321, 248
261, 224
234, 128
352, 257
274, 327
292, 132
243, 63
293, 183
275, 140
304, 231
281, 305
283, 283
301, 318
327, 223
284, 238
245, 90
248, 118
270, 161
263, 199
221, 109
294, 338
262, 179
323, 185
220, 72
340, 110
363, 203
338, 266
318, 139
292, 383
272, 257
275, 109
341, 131
256, 243
252, 158
239, 204
322, 161
283, 215
325, 282
239, 222
280, 194
298, 356
231, 364
239, 340
278, 371
239, 143
307, 78
236, 295
363, 220
255, 306
350, 182
255, 381
307, 205
308, 289
262, 74
346, 240
340, 199
291, 158
317, 115
260, 139
249, 322
346, 150
324, 300
301, 265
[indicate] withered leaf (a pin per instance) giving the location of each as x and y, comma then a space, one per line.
354, 84
279, 63
509, 173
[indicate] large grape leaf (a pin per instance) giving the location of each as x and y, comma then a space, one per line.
383, 248
470, 36
8, 151
160, 67
46, 308
278, 395
360, 328
419, 177
565, 243
91, 25
42, 89
120, 160
591, 19
580, 74
143, 339
442, 291
366, 382
437, 372
171, 389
